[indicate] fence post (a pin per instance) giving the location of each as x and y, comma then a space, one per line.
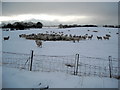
76, 64
110, 65
31, 60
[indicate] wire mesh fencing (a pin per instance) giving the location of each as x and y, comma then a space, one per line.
16, 60
54, 63
72, 64
95, 66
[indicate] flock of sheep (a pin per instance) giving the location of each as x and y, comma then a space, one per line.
56, 37
60, 36
106, 37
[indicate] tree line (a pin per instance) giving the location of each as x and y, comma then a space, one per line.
75, 25
22, 25
28, 25
112, 26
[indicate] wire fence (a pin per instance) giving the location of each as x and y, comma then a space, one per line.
16, 60
53, 63
72, 64
102, 67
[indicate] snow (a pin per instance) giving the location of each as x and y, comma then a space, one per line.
98, 48
14, 78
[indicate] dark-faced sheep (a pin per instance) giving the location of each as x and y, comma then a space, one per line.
99, 38
6, 38
95, 31
38, 43
83, 37
22, 35
90, 37
106, 38
108, 35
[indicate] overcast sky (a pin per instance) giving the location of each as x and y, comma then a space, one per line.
71, 12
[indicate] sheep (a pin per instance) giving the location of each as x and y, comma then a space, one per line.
90, 37
22, 35
6, 38
95, 31
84, 37
108, 35
39, 43
76, 39
106, 38
86, 34
99, 37
69, 65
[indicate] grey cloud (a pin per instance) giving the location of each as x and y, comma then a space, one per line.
106, 11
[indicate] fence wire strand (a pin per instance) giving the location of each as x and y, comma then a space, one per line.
87, 66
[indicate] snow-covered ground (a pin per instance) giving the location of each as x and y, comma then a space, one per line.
101, 48
13, 78
96, 48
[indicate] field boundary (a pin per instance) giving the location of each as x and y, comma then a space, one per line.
79, 65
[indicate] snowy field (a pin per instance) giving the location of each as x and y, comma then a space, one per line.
92, 48
14, 78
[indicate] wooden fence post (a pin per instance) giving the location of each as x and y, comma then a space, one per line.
31, 60
76, 64
110, 65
